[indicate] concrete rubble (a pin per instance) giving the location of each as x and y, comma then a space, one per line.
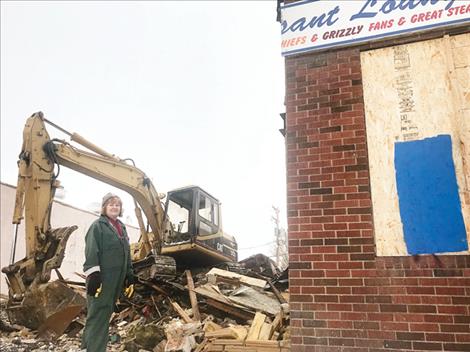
232, 307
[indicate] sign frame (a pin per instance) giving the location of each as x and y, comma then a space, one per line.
303, 21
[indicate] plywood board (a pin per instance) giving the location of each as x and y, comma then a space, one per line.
256, 326
418, 93
251, 281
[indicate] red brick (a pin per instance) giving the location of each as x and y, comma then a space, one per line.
351, 299
382, 335
394, 326
440, 337
464, 347
399, 299
312, 290
455, 328
410, 336
421, 308
463, 337
420, 290
353, 316
326, 298
327, 315
312, 273
380, 316
339, 324
350, 265
409, 317
326, 265
427, 346
366, 325
354, 333
338, 273
460, 310
436, 300
366, 307
393, 308
339, 290
438, 318
450, 291
339, 307
424, 327
341, 342
301, 298
399, 345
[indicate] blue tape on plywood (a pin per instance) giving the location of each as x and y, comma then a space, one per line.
428, 196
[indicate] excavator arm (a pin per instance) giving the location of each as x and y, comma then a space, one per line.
118, 174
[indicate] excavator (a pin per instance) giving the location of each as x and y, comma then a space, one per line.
186, 229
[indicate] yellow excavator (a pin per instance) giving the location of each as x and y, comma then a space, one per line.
193, 235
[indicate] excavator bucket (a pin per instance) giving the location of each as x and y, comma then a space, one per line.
47, 307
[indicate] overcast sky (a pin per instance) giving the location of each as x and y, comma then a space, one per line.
191, 91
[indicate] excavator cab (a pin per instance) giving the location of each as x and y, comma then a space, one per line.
197, 238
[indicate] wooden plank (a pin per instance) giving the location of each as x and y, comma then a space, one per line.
211, 326
277, 323
201, 346
251, 281
265, 332
214, 348
192, 296
262, 344
241, 332
240, 349
211, 292
181, 312
232, 332
230, 309
230, 342
222, 333
213, 279
255, 327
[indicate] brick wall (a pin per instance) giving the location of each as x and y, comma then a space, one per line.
343, 297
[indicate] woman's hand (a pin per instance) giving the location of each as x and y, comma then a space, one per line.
93, 284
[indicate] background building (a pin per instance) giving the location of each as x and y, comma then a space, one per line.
62, 215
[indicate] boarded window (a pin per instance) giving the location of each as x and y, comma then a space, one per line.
417, 103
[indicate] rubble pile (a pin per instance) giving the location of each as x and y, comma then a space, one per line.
236, 307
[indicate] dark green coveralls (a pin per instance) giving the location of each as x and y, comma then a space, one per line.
109, 252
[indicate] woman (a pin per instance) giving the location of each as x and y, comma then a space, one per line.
108, 268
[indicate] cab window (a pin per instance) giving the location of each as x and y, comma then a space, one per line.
208, 215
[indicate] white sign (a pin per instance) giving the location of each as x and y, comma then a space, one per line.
319, 24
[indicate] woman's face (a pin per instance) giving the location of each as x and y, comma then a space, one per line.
113, 208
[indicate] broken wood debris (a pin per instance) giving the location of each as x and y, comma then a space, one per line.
202, 310
192, 296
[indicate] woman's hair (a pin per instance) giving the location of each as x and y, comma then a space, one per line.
107, 201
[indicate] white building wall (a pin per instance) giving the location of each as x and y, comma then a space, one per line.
62, 215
